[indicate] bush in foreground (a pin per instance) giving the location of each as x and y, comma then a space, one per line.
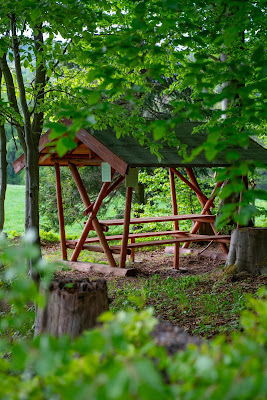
120, 360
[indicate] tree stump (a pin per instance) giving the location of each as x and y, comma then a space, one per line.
248, 250
72, 307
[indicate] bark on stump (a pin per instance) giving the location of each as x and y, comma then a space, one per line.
248, 250
72, 307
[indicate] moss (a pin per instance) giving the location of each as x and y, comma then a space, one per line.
230, 270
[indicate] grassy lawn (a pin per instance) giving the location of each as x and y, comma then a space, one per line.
14, 210
14, 216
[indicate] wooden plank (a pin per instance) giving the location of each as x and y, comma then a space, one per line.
207, 238
19, 164
155, 242
60, 214
126, 225
77, 160
168, 218
133, 236
104, 269
192, 238
176, 260
99, 249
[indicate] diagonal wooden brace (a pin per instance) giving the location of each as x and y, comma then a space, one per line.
192, 186
92, 220
206, 210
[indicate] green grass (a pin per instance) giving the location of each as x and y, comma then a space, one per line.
14, 216
14, 210
198, 303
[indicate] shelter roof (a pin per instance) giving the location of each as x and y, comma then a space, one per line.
94, 146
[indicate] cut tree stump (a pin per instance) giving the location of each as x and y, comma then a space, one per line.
72, 307
248, 250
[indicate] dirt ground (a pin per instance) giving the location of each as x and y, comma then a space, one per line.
156, 263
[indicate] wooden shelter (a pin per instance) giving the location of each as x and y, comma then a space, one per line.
123, 156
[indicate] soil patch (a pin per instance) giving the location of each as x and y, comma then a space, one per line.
202, 300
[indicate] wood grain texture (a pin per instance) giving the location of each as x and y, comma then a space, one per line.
72, 309
176, 260
167, 218
126, 225
60, 214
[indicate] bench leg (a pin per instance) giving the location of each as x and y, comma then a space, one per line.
132, 250
127, 215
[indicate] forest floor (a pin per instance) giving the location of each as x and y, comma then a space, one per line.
203, 300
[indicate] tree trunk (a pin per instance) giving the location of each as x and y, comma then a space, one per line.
248, 250
72, 307
3, 166
3, 175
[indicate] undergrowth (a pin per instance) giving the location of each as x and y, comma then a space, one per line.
203, 307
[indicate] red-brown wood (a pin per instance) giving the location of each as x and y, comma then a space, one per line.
133, 236
193, 187
80, 186
99, 249
60, 214
167, 218
176, 223
110, 189
132, 239
102, 151
127, 216
191, 238
205, 209
195, 182
88, 226
115, 184
93, 222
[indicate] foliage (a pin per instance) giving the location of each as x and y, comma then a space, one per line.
120, 359
212, 305
121, 63
212, 48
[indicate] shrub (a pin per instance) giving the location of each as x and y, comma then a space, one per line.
120, 360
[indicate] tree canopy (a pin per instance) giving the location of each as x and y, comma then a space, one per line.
124, 63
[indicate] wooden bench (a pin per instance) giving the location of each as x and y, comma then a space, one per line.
168, 218
177, 235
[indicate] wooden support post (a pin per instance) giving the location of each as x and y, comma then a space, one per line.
127, 215
92, 221
196, 189
80, 185
176, 223
132, 250
110, 189
195, 182
60, 214
88, 225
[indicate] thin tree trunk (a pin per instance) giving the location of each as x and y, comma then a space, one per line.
3, 167
3, 175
